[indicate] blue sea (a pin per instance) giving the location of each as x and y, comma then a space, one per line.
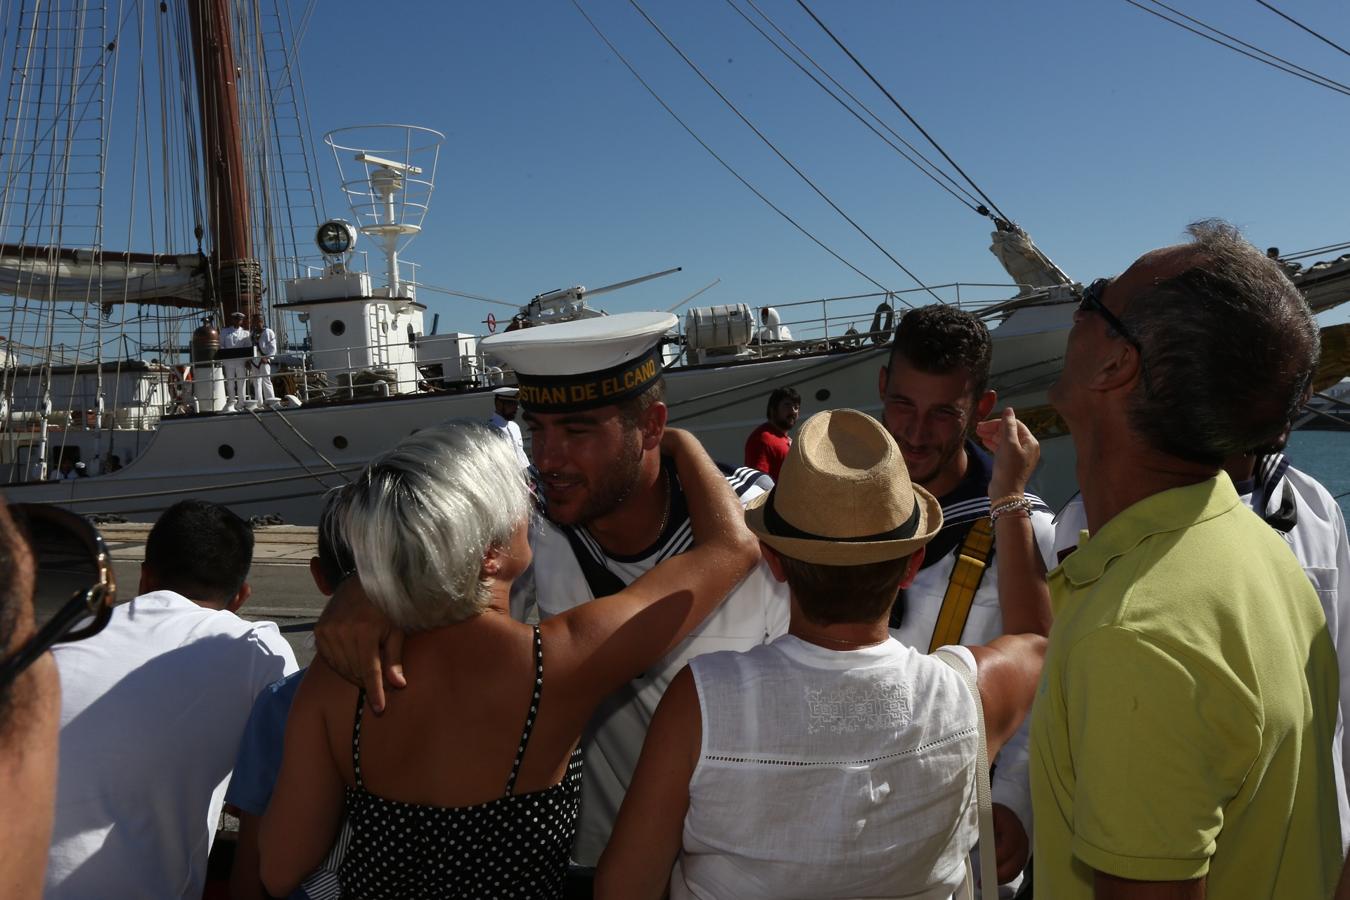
1325, 455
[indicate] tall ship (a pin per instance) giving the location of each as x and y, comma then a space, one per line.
132, 232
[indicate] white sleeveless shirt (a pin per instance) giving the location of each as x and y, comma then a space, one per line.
830, 774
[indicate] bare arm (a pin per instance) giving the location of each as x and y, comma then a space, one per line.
637, 862
305, 812
1109, 887
606, 642
1008, 668
1023, 595
245, 877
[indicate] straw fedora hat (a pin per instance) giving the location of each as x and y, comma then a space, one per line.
844, 497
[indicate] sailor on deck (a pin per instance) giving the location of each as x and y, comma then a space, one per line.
264, 343
505, 403
235, 345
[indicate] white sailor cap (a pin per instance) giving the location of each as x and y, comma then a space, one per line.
507, 393
586, 363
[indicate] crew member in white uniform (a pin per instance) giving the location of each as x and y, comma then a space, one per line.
235, 349
935, 389
264, 342
593, 397
505, 403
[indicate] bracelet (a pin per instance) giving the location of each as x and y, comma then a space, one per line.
1002, 501
1017, 513
1022, 504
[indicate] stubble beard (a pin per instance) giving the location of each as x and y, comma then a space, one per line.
619, 482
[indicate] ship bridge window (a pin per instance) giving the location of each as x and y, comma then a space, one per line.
338, 327
225, 451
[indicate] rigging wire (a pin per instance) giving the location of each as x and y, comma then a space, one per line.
1304, 254
421, 286
1293, 21
770, 144
1274, 61
713, 153
896, 103
962, 200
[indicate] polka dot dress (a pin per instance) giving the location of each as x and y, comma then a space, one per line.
513, 847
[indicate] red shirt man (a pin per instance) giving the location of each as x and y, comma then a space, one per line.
767, 446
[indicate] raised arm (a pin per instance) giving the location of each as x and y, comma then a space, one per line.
1008, 669
638, 860
1023, 595
600, 645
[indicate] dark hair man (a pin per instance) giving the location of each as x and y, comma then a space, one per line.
987, 565
593, 398
767, 446
762, 765
1182, 733
152, 710
29, 714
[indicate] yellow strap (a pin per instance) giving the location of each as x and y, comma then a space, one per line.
972, 558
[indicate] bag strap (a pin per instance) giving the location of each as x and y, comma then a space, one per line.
983, 796
972, 560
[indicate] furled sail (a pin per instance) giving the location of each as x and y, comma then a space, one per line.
45, 273
1023, 260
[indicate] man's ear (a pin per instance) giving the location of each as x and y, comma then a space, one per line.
882, 377
912, 567
240, 598
653, 425
148, 580
1118, 368
985, 405
775, 564
316, 571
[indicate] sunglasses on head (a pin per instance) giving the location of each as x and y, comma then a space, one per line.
74, 585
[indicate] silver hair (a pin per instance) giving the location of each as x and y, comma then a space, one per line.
422, 516
1229, 346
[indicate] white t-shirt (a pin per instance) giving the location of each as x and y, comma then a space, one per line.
754, 612
826, 773
152, 711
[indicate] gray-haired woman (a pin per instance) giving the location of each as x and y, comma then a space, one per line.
438, 529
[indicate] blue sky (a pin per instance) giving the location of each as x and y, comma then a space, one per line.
1099, 128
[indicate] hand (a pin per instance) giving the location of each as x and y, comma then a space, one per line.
1016, 453
1011, 847
359, 643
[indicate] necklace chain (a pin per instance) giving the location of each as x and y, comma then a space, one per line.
665, 516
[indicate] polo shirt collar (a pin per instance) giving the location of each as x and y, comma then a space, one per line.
1170, 510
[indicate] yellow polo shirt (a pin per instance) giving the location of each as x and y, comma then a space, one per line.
1183, 722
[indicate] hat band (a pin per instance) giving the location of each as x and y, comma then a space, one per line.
590, 390
780, 527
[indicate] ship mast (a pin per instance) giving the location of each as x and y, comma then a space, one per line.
238, 274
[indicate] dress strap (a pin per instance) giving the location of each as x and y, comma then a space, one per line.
534, 711
356, 737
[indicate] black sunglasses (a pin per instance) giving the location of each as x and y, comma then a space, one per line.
1090, 300
74, 570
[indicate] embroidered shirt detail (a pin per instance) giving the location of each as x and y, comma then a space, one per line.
881, 705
